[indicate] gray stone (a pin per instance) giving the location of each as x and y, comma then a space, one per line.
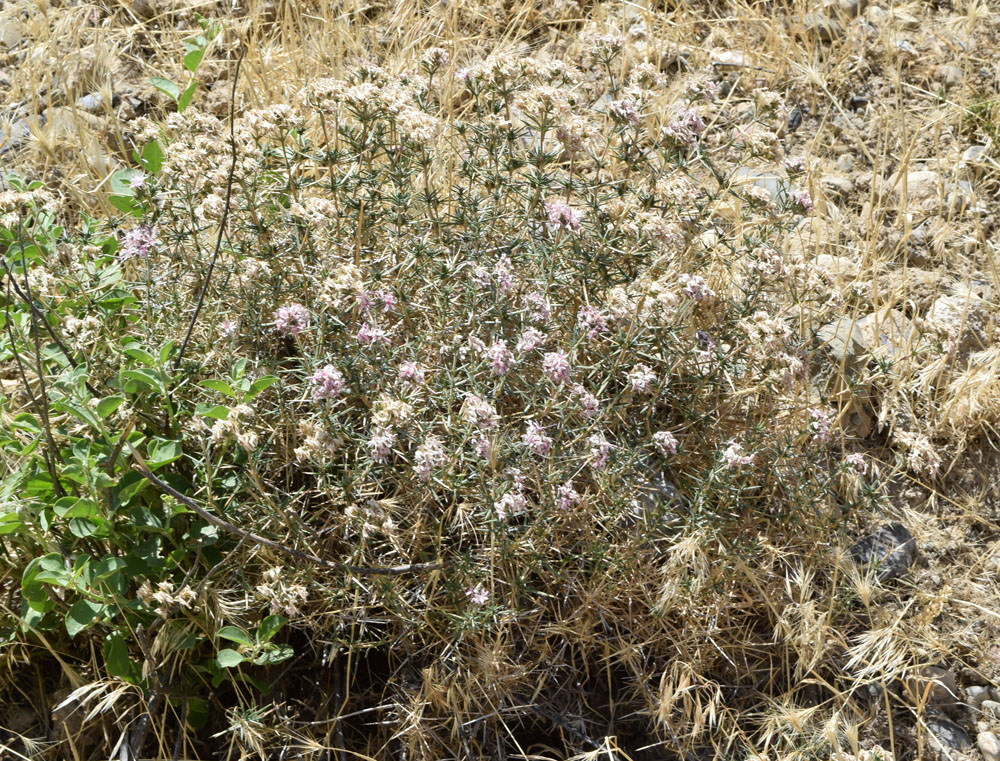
10, 33
836, 186
888, 332
729, 60
846, 7
976, 154
990, 708
821, 26
845, 162
654, 497
937, 686
891, 549
92, 102
842, 338
975, 695
947, 734
842, 269
989, 745
949, 75
13, 133
921, 186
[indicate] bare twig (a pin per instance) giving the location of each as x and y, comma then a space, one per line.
225, 214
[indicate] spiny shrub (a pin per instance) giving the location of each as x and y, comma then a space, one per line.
546, 345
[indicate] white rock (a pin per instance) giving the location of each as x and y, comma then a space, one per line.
961, 318
888, 332
989, 745
845, 162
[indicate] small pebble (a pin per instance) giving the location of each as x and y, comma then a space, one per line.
90, 102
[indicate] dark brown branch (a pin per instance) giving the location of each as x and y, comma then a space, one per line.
225, 215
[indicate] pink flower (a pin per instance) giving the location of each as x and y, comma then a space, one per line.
481, 276
695, 288
856, 461
511, 503
137, 243
477, 595
562, 216
734, 457
411, 372
587, 400
363, 301
227, 328
371, 334
328, 382
641, 378
625, 110
291, 320
479, 412
567, 496
481, 446
504, 273
388, 299
517, 477
535, 440
530, 340
539, 305
665, 441
685, 128
600, 448
556, 365
819, 425
429, 455
796, 165
802, 200
591, 320
380, 444
138, 180
499, 356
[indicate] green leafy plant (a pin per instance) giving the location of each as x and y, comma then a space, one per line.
195, 48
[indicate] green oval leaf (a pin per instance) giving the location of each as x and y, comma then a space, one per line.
269, 627
166, 87
228, 658
235, 634
218, 385
81, 615
109, 404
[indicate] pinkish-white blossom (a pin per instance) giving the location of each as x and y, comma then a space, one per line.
327, 382
535, 439
291, 320
556, 365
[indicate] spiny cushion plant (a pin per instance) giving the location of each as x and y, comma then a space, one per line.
455, 317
